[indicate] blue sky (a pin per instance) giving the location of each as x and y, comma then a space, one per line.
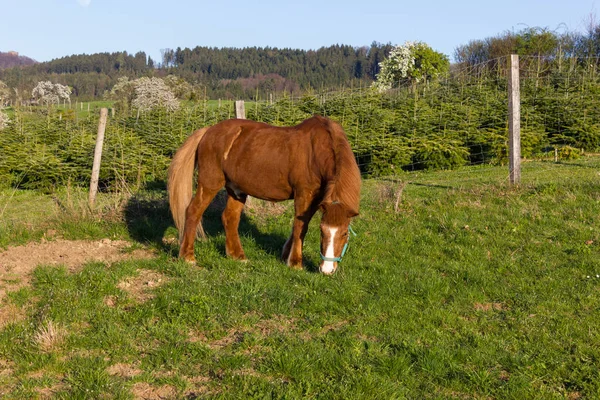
48, 29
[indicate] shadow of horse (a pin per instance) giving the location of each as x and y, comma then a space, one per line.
148, 220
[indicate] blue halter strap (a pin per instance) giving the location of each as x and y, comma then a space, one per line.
339, 259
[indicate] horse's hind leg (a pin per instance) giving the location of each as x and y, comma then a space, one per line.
231, 222
193, 216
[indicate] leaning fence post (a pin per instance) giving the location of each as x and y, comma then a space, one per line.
240, 111
97, 157
514, 121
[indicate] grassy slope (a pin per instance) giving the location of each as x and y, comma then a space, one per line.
472, 290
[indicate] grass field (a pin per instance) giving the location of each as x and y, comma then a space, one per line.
472, 290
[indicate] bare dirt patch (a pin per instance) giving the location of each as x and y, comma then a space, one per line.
262, 328
9, 313
140, 287
7, 379
17, 263
198, 387
233, 336
124, 370
143, 390
336, 326
489, 306
6, 367
50, 392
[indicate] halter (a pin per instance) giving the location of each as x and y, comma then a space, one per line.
339, 259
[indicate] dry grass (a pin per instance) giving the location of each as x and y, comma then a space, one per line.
390, 192
49, 336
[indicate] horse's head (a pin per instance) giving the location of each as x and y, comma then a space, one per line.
335, 229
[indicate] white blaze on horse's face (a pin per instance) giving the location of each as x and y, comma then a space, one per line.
334, 239
329, 267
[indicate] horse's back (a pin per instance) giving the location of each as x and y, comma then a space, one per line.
248, 157
267, 161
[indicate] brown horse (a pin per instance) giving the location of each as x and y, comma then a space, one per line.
311, 163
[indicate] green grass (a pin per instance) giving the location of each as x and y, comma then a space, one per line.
474, 289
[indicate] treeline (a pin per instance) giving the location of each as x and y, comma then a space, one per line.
327, 67
535, 42
256, 72
227, 73
89, 76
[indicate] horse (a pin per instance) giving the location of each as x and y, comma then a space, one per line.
311, 163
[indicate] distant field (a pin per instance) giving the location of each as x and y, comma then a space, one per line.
474, 289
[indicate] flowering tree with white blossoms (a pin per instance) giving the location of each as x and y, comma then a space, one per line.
151, 93
4, 120
51, 93
411, 62
144, 94
4, 94
122, 93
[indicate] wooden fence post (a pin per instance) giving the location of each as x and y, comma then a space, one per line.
514, 121
240, 111
97, 157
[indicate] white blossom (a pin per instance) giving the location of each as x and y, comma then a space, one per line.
396, 66
413, 61
4, 120
151, 93
4, 94
51, 93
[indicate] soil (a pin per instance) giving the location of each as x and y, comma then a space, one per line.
18, 262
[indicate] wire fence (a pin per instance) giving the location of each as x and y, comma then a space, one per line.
456, 121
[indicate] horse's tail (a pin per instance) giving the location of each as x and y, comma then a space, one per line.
180, 180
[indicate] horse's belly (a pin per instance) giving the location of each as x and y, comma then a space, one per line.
260, 181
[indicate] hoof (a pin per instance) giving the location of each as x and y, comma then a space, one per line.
242, 257
297, 267
189, 259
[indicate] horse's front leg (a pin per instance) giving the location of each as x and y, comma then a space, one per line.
292, 250
231, 222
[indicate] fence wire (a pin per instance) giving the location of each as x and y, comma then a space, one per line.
446, 123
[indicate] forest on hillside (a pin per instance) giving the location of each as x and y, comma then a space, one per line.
226, 73
255, 73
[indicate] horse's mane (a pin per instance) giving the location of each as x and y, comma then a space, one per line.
344, 186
